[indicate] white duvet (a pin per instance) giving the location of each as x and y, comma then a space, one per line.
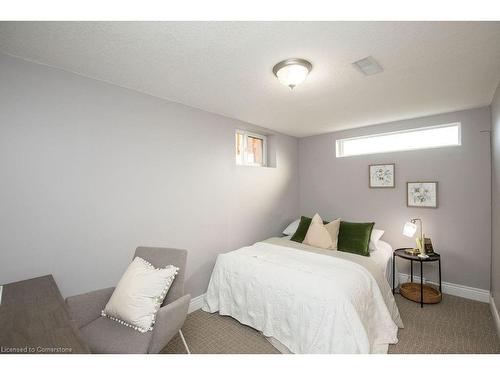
309, 300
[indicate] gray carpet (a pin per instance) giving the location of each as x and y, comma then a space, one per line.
455, 325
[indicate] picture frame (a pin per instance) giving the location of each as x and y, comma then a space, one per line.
428, 246
382, 176
422, 194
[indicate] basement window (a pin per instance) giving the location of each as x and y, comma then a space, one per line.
404, 140
250, 149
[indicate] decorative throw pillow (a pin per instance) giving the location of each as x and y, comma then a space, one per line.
301, 231
355, 237
333, 228
139, 295
317, 235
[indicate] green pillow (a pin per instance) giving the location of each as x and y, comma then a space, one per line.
355, 237
301, 231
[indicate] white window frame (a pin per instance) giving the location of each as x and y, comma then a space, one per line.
247, 134
340, 142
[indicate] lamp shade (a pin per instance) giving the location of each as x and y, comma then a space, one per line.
292, 75
409, 229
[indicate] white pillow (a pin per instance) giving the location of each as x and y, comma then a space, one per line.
291, 228
139, 295
317, 235
374, 238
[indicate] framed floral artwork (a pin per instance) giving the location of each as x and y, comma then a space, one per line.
422, 194
382, 175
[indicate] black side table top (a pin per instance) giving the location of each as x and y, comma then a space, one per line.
403, 254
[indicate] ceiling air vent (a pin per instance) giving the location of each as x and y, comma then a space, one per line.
368, 66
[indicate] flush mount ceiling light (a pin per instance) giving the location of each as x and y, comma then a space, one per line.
292, 72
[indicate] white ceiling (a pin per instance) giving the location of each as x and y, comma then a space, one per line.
225, 67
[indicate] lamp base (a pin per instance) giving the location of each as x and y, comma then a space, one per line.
420, 245
412, 251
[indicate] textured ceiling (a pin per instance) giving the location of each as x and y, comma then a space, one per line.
225, 67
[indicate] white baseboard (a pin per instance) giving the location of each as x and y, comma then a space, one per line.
196, 303
458, 290
494, 312
404, 278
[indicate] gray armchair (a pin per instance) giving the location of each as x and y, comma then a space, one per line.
104, 335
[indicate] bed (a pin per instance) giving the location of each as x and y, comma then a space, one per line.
308, 300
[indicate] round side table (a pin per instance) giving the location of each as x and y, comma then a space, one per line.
417, 292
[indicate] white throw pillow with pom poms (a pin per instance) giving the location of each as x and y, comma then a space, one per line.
139, 295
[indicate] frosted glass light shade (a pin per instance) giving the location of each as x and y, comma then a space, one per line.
292, 72
409, 229
292, 75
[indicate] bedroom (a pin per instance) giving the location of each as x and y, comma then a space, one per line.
249, 187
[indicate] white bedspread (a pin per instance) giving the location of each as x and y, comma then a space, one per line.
310, 301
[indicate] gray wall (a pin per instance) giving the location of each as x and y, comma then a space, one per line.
495, 194
89, 171
460, 228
